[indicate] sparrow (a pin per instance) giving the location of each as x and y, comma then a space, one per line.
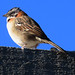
25, 31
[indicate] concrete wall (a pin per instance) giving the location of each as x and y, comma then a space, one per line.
36, 62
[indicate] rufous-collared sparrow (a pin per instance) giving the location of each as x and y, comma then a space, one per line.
25, 31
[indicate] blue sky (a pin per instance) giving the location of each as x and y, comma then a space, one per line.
56, 18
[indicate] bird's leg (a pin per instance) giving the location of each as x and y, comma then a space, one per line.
34, 47
24, 46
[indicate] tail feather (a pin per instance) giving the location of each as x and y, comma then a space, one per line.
52, 43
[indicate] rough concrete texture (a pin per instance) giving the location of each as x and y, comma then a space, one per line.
36, 62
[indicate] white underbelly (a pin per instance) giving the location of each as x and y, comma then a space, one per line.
18, 38
13, 34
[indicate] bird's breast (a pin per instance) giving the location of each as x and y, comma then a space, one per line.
20, 38
14, 34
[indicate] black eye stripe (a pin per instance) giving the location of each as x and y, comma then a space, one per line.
13, 13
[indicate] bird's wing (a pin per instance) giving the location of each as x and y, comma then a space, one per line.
27, 24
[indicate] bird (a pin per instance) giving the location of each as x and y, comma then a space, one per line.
25, 31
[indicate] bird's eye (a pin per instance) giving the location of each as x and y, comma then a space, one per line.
8, 20
16, 15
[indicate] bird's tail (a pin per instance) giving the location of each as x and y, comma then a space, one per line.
52, 43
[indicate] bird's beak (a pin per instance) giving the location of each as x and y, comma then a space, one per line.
5, 15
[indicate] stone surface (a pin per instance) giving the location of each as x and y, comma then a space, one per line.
36, 62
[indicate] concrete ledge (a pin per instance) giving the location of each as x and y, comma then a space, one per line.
35, 62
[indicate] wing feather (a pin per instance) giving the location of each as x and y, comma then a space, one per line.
28, 25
